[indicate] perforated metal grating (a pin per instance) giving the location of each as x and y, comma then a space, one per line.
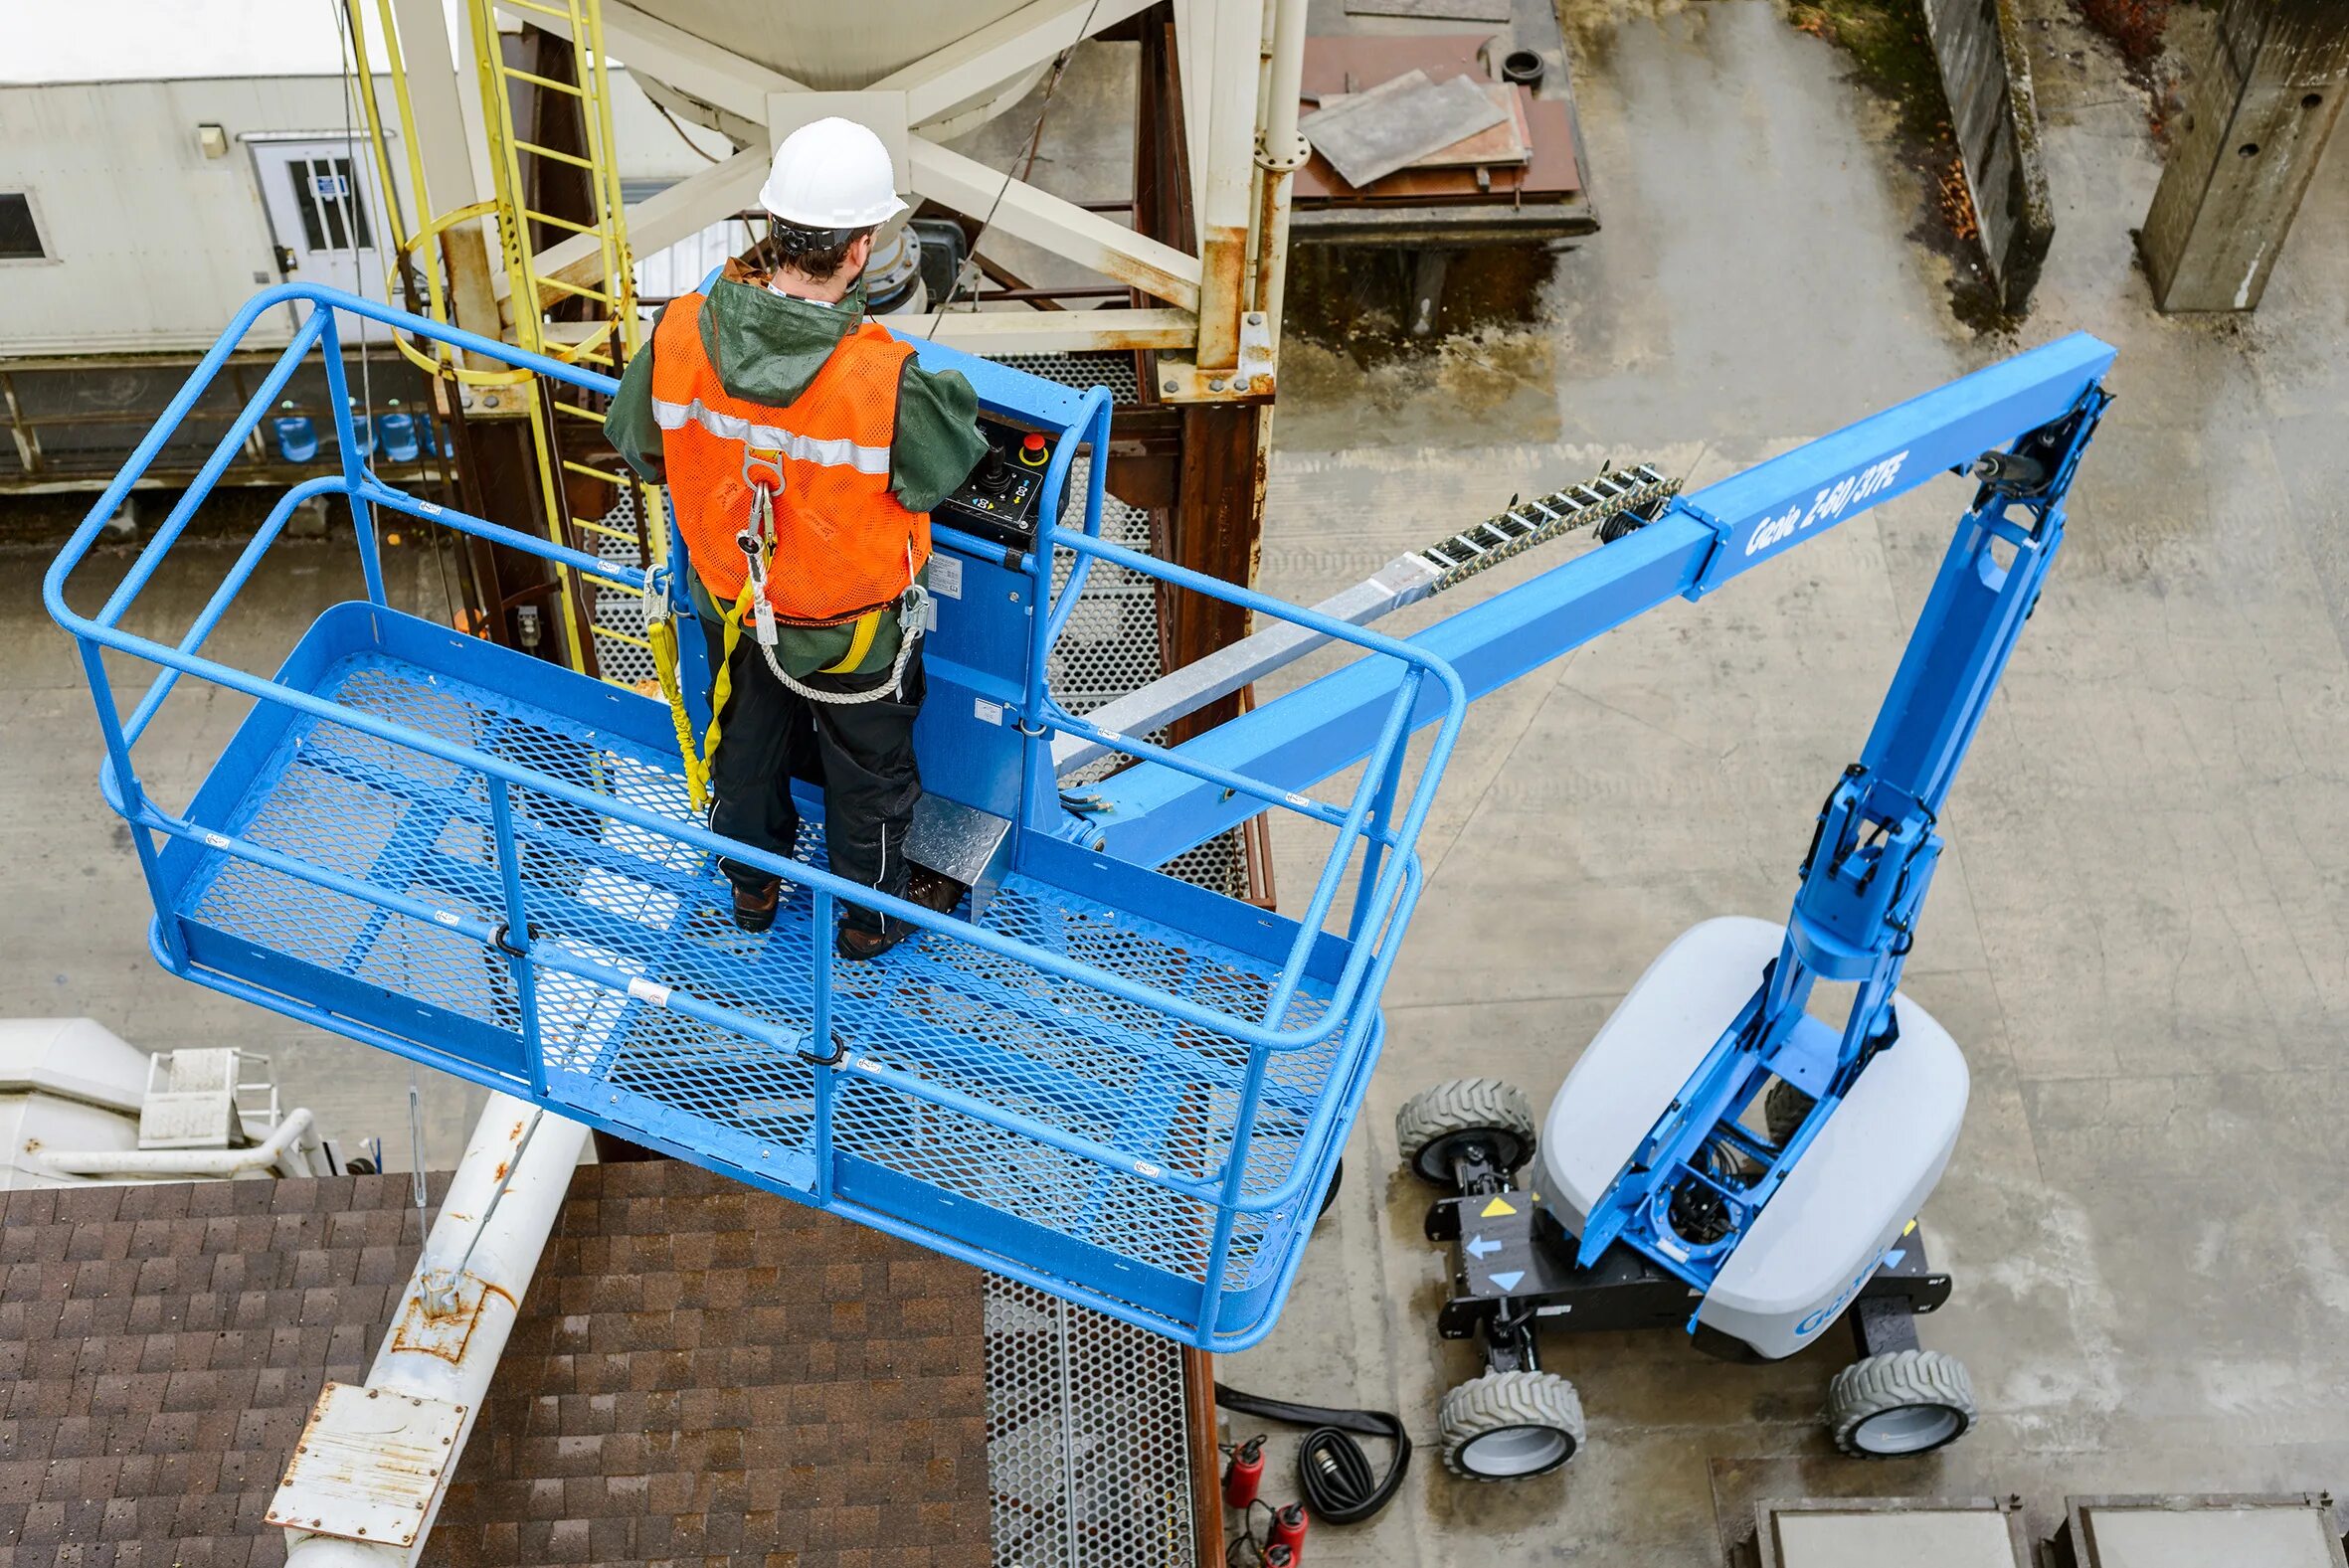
1111, 368
1110, 648
1089, 1455
1088, 1448
1110, 643
617, 623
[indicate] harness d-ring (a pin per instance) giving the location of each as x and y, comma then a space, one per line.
772, 461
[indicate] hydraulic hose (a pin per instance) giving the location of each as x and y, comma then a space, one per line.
1332, 1470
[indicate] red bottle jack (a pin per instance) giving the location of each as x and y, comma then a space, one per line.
1288, 1529
1244, 1474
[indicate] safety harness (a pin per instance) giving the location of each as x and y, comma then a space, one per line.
762, 473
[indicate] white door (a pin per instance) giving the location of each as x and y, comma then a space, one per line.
326, 214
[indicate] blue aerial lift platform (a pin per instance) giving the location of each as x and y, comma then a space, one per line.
1119, 1086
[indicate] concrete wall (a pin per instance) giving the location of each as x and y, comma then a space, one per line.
1987, 77
2261, 108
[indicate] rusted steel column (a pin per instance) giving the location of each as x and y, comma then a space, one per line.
1216, 527
498, 478
1227, 182
1206, 495
1279, 155
2256, 119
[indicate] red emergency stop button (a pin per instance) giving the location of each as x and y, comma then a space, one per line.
1031, 450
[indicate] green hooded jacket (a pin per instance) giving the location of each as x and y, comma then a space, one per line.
767, 348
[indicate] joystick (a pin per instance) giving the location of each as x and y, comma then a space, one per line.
995, 475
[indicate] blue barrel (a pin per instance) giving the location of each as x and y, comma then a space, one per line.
298, 437
396, 433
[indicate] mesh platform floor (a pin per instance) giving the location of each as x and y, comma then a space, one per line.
1061, 1053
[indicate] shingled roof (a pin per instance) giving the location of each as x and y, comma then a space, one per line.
701, 1373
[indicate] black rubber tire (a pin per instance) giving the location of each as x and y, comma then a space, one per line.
1783, 1110
1437, 1119
1511, 1426
1328, 1198
1899, 1404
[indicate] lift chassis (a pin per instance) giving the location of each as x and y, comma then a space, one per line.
1721, 1156
1499, 1231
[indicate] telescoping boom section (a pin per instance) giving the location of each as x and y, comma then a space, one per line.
1124, 1089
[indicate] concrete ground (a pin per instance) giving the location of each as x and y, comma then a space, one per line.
74, 914
2136, 933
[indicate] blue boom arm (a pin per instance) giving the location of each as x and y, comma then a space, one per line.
1701, 1176
1698, 1179
1152, 813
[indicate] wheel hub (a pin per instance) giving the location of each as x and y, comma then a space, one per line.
1909, 1428
1515, 1452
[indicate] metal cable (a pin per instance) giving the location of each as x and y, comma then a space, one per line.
357, 80
661, 110
1036, 138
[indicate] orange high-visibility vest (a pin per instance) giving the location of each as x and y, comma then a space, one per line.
844, 545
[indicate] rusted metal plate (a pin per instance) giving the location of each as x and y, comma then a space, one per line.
1552, 173
368, 1466
445, 1334
1505, 141
1370, 134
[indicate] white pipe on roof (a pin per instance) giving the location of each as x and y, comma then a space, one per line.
283, 1146
479, 1257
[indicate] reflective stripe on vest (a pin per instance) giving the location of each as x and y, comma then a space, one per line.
772, 438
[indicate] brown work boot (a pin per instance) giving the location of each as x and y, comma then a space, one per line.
932, 889
754, 911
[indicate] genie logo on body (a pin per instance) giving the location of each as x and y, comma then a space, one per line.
1828, 1314
1828, 505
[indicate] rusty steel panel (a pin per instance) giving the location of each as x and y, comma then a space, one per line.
369, 1466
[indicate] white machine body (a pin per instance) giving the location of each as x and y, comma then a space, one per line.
78, 1104
1848, 1199
64, 1083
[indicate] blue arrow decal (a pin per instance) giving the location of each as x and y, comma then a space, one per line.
1478, 1247
1505, 1281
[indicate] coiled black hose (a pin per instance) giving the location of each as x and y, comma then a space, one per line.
1332, 1470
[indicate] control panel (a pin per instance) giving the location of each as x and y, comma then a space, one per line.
998, 501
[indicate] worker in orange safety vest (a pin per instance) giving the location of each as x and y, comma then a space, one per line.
804, 449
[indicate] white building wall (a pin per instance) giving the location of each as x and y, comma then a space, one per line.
155, 245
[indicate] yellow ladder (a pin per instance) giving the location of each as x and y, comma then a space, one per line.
605, 342
612, 331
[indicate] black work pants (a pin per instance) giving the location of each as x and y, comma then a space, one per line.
862, 753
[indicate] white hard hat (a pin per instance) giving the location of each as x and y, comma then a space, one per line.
832, 174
